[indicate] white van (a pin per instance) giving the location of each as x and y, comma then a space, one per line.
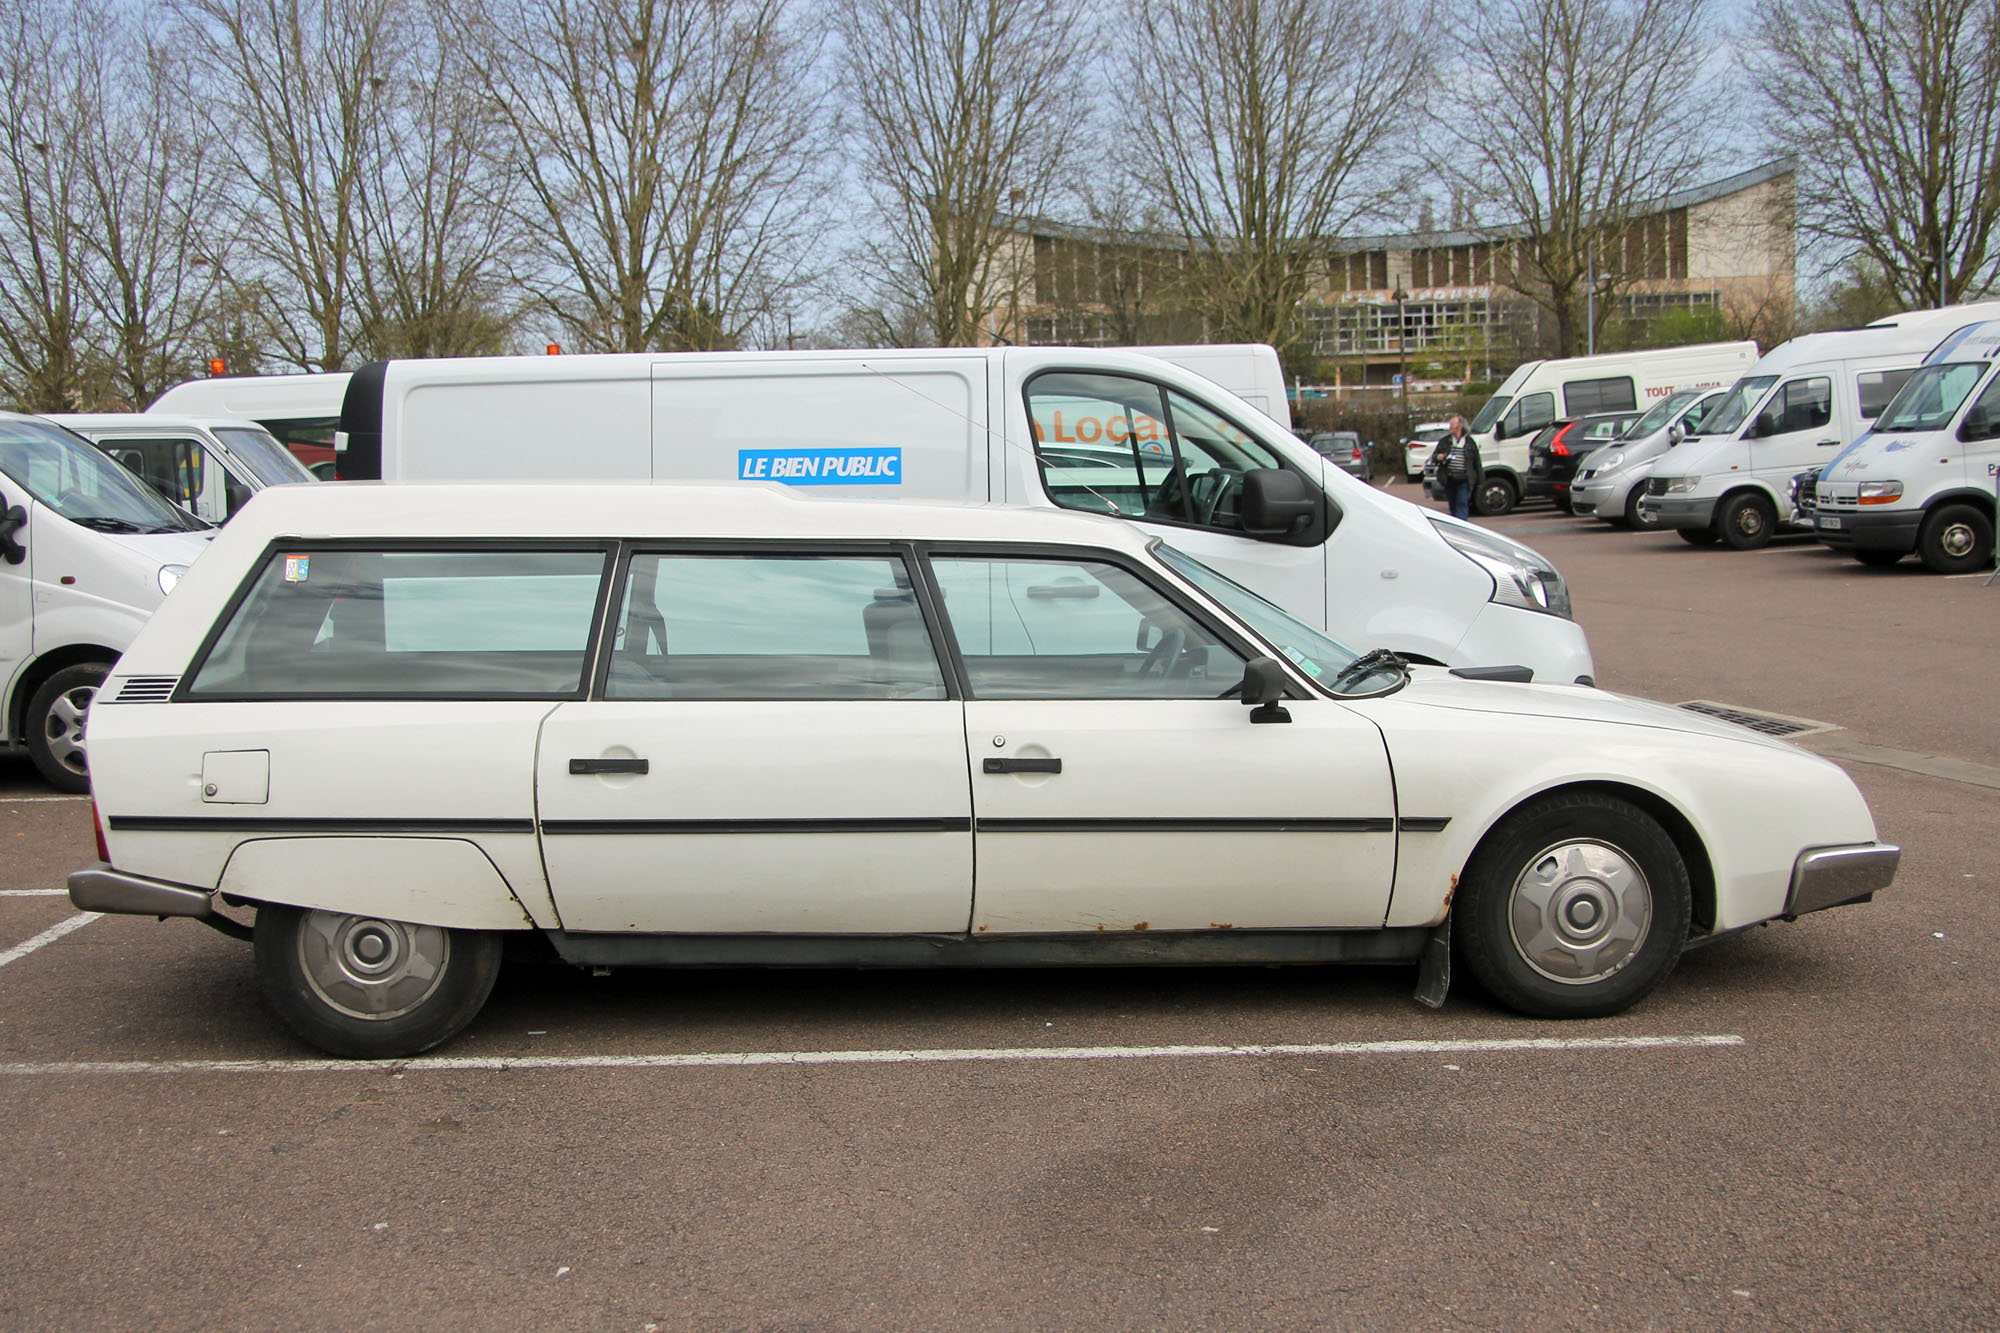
86, 553
1922, 479
1611, 482
1792, 412
208, 466
1103, 431
300, 410
1539, 392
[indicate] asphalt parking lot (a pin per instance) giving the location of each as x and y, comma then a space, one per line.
1802, 1129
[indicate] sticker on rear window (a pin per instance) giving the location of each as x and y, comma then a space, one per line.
295, 568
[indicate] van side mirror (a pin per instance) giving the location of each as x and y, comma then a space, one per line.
11, 522
1977, 424
1263, 685
1277, 503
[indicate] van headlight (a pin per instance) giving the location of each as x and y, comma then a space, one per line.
1678, 484
169, 576
1520, 576
1880, 492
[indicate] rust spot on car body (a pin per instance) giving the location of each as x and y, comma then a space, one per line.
1222, 925
1143, 925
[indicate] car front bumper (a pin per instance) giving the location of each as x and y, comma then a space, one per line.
1849, 530
1675, 511
1826, 877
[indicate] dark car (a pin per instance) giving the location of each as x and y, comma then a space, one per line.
1554, 454
1345, 448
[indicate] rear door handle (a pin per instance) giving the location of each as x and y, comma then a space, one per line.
607, 766
1023, 765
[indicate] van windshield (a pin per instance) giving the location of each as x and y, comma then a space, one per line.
80, 482
1660, 413
1490, 413
1735, 407
1930, 398
260, 451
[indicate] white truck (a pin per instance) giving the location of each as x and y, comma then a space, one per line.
1540, 392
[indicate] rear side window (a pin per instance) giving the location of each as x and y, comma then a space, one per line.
1583, 397
1877, 387
416, 624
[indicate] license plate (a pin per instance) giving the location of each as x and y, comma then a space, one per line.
1829, 521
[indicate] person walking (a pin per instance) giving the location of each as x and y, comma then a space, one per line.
1459, 470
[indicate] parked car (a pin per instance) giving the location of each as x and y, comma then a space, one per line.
1417, 449
1554, 453
1609, 484
1347, 450
684, 725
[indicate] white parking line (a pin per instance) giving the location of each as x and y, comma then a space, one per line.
35, 800
33, 893
49, 936
730, 1059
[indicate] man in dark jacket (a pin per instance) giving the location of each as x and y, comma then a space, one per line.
1459, 470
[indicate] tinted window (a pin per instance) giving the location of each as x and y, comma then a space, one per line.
1056, 629
771, 627
409, 624
1531, 413
1877, 388
1606, 395
1982, 419
1800, 405
173, 468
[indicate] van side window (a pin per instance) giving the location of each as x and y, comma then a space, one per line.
1531, 413
1800, 405
173, 468
769, 626
1581, 398
1878, 387
1062, 629
1114, 444
409, 624
1982, 419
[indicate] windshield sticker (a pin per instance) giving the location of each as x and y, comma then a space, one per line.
822, 467
295, 568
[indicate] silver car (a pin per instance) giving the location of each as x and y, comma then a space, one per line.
1610, 482
1346, 448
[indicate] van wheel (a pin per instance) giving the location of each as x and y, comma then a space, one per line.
1576, 907
1746, 522
56, 717
1635, 520
1697, 536
1878, 559
371, 988
1496, 496
1957, 539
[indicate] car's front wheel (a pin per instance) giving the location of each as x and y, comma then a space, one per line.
368, 987
1635, 518
1576, 907
56, 718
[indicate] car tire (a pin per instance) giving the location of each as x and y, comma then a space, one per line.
1698, 536
1877, 559
1746, 522
1576, 906
1497, 495
1635, 520
57, 716
368, 988
1956, 539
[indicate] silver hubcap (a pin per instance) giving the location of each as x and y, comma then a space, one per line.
1749, 520
1957, 540
63, 727
370, 968
1580, 911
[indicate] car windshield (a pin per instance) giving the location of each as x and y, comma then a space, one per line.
1309, 650
80, 482
1930, 398
260, 451
1735, 407
1660, 413
1489, 414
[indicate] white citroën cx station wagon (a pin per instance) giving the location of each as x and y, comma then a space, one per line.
678, 725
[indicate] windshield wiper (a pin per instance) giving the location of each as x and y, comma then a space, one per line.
105, 523
1372, 660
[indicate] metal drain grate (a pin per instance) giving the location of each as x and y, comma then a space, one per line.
1770, 724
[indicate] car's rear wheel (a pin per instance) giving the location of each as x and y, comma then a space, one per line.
368, 987
1956, 539
56, 717
1633, 517
1577, 906
1496, 496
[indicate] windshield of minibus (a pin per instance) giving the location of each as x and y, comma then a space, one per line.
1490, 413
80, 482
1659, 414
260, 451
1930, 398
1736, 405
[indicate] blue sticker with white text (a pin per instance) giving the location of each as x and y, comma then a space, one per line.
822, 467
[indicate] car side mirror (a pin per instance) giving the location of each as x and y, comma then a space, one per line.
11, 522
1263, 685
1277, 503
1977, 424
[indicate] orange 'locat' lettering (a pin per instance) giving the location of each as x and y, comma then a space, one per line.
1149, 429
1116, 431
1089, 430
1036, 427
1061, 438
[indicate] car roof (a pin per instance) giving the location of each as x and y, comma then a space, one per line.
147, 421
647, 509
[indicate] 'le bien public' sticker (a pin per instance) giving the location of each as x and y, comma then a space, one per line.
295, 568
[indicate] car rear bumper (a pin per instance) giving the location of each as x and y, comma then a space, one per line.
1826, 877
99, 888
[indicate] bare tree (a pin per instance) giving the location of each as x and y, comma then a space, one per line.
669, 190
962, 109
1571, 118
296, 94
1265, 128
1892, 108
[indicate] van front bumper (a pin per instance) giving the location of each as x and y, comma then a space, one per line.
1674, 511
1849, 530
1826, 877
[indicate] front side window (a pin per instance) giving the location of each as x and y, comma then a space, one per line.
1531, 413
1691, 423
1488, 414
1582, 397
1930, 398
173, 468
751, 626
1076, 629
344, 623
1801, 405
1982, 419
1660, 413
270, 462
79, 481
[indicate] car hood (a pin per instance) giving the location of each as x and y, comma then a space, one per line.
164, 548
1435, 687
1693, 457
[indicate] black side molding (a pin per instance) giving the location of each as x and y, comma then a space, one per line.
1519, 674
608, 766
1022, 766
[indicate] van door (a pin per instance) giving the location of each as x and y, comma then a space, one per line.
1979, 432
1794, 430
17, 596
883, 428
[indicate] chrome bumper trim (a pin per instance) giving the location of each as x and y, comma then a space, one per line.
99, 888
1826, 877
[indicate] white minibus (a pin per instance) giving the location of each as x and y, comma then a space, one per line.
208, 466
300, 410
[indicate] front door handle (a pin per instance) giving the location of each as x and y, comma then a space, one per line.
1827, 444
607, 766
1023, 765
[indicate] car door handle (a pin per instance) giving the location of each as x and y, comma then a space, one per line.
1827, 444
1023, 765
607, 766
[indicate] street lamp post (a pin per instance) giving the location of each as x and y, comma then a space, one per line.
1402, 357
